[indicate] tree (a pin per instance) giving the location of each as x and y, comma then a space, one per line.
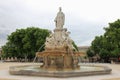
112, 35
90, 53
23, 43
108, 45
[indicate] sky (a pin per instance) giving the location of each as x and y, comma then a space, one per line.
85, 19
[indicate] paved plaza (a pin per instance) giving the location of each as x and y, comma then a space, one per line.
4, 73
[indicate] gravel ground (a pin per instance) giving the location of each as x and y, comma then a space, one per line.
4, 73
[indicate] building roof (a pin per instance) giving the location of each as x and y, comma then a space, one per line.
83, 47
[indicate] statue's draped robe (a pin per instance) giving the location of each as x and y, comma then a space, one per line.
60, 19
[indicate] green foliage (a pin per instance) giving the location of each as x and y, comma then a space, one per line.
104, 53
90, 53
25, 42
108, 45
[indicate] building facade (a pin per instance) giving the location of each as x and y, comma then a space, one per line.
83, 48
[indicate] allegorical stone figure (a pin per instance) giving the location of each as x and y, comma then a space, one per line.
60, 19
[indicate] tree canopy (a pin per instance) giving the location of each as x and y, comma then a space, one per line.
108, 44
23, 43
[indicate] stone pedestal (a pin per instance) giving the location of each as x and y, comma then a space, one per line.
58, 60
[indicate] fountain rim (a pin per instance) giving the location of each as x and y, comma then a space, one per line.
59, 74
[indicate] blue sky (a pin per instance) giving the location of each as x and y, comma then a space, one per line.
85, 19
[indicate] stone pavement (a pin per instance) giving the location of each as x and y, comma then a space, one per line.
112, 79
4, 73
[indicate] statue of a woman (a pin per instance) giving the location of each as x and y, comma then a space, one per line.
60, 19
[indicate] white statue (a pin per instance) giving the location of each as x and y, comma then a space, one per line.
60, 19
60, 38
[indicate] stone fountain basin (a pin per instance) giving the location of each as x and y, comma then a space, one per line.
35, 70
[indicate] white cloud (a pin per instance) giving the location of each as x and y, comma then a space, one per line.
85, 19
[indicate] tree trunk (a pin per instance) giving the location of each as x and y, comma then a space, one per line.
26, 58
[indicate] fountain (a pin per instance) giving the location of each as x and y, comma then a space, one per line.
59, 51
60, 58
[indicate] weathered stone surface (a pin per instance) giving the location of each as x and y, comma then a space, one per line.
20, 70
60, 39
59, 51
60, 19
